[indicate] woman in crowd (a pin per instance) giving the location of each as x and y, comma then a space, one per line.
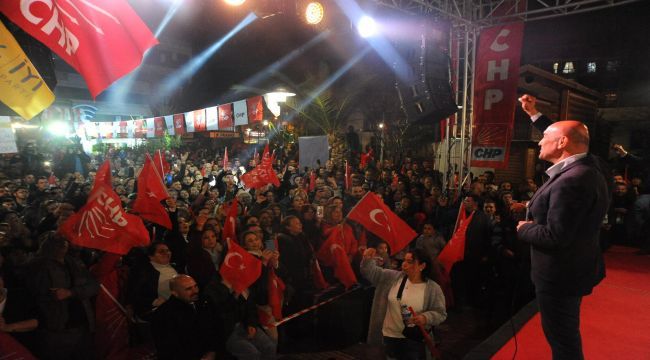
204, 256
334, 218
391, 321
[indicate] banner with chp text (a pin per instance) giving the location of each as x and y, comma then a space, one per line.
495, 94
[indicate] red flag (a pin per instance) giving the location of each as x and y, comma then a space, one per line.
112, 335
51, 180
348, 176
159, 126
454, 251
102, 40
151, 192
199, 120
179, 124
366, 158
103, 224
161, 165
332, 253
103, 175
225, 117
312, 180
319, 280
225, 158
267, 166
376, 217
11, 349
262, 174
230, 226
140, 130
255, 109
276, 294
240, 269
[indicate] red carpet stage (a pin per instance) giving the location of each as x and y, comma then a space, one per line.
615, 319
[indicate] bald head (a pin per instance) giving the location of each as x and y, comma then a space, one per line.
563, 139
184, 288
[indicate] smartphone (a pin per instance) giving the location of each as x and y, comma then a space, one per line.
319, 211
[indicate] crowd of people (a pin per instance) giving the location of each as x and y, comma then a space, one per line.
171, 292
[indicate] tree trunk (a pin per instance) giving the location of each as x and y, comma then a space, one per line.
337, 149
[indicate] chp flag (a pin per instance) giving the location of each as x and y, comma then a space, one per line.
102, 40
376, 217
102, 223
151, 192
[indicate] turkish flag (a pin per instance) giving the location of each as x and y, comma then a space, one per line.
332, 253
179, 124
240, 269
255, 109
267, 166
376, 217
319, 280
366, 158
104, 225
161, 165
225, 117
454, 251
102, 40
159, 126
229, 231
276, 294
151, 192
112, 335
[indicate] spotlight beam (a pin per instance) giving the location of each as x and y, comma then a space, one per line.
191, 67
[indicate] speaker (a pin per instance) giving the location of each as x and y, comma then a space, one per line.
423, 72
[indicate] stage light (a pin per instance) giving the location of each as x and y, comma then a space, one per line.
314, 13
234, 2
367, 26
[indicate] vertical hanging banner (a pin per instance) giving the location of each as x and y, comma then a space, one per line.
102, 40
240, 112
199, 120
151, 127
140, 130
159, 126
22, 89
179, 124
7, 137
169, 123
124, 130
225, 117
130, 129
495, 94
212, 118
189, 121
255, 109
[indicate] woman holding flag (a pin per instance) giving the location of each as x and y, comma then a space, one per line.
406, 305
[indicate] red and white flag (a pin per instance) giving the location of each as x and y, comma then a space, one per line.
332, 253
454, 251
151, 192
240, 269
161, 165
179, 124
376, 217
226, 117
102, 223
102, 40
276, 294
255, 109
263, 173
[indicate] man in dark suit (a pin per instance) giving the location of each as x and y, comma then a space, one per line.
565, 216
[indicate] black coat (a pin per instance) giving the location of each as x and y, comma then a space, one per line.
568, 211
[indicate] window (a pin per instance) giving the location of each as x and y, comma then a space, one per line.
556, 67
568, 68
591, 67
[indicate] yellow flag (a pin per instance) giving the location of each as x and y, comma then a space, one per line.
21, 86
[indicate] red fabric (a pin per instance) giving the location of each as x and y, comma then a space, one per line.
10, 349
112, 335
151, 192
199, 120
495, 94
230, 226
103, 175
366, 158
332, 253
102, 223
613, 319
312, 180
179, 124
262, 174
276, 294
240, 269
52, 179
454, 251
348, 239
225, 117
387, 226
103, 41
225, 158
161, 165
255, 109
159, 126
139, 131
319, 280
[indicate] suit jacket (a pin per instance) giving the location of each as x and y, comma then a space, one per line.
567, 212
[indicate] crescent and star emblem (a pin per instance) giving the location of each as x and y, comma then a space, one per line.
373, 218
230, 255
334, 247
